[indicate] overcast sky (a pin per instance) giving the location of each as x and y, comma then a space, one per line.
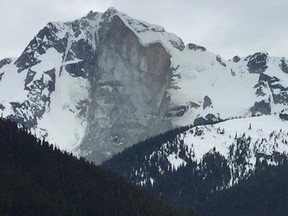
225, 27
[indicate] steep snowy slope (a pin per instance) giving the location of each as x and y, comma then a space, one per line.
99, 84
244, 87
229, 151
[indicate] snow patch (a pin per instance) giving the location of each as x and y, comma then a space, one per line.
63, 122
175, 161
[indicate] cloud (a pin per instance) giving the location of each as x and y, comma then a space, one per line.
224, 27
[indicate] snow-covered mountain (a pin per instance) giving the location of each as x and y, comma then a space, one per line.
99, 84
235, 148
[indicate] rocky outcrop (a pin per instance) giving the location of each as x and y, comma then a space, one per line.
284, 66
284, 115
128, 94
236, 59
4, 62
219, 59
44, 40
104, 82
261, 107
268, 84
195, 47
257, 63
207, 102
177, 111
208, 119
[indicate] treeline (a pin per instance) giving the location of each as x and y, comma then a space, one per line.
38, 179
135, 156
203, 185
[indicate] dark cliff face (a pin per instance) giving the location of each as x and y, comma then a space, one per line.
81, 50
127, 81
119, 90
128, 91
37, 88
117, 37
45, 39
257, 63
4, 62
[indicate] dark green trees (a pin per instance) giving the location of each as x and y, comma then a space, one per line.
38, 179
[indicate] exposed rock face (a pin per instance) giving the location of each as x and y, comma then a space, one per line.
284, 115
219, 59
257, 63
4, 62
44, 40
177, 111
270, 87
207, 102
195, 47
115, 93
128, 94
1, 74
284, 66
208, 119
101, 83
236, 59
194, 105
262, 107
81, 50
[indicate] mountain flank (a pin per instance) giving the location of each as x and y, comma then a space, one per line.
38, 179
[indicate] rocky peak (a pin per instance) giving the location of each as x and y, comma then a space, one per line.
109, 13
195, 47
284, 114
44, 40
5, 61
131, 81
118, 81
258, 62
284, 65
92, 15
236, 59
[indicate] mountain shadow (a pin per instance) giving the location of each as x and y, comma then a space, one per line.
206, 185
36, 178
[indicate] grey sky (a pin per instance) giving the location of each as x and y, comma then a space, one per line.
225, 27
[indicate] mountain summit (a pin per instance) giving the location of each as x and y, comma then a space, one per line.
101, 83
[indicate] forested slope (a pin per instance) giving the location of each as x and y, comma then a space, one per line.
38, 179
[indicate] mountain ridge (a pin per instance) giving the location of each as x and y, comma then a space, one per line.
111, 81
39, 179
232, 167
